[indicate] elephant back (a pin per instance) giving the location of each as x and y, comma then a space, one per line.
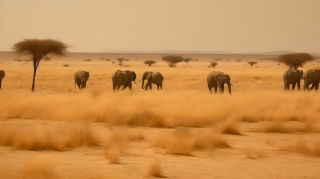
285, 74
160, 75
115, 74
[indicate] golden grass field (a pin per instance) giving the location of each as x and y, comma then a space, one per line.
182, 131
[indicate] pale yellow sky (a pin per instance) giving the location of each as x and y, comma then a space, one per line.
238, 26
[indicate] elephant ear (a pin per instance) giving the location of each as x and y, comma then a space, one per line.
219, 78
86, 74
149, 76
134, 76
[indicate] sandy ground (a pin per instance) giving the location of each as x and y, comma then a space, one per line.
182, 131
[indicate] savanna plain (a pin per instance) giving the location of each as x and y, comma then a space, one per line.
182, 131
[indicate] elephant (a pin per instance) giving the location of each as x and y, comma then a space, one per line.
80, 78
2, 75
217, 80
124, 78
311, 77
293, 77
155, 78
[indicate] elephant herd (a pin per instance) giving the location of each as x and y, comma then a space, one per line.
122, 78
293, 77
125, 78
215, 80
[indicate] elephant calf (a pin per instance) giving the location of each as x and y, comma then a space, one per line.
217, 80
123, 78
2, 75
292, 77
80, 78
311, 77
155, 78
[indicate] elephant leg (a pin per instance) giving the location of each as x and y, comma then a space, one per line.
158, 87
124, 87
209, 86
298, 83
306, 86
150, 86
215, 89
316, 87
222, 89
130, 86
118, 87
312, 86
293, 86
0, 83
161, 86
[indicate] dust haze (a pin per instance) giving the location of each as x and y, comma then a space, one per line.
182, 131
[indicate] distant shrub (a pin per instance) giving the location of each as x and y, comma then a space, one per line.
252, 63
149, 62
87, 60
66, 65
213, 64
120, 60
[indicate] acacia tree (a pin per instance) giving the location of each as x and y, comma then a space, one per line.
149, 62
252, 63
187, 60
172, 60
295, 60
213, 64
120, 60
38, 49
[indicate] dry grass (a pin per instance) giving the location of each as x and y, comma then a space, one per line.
117, 141
47, 138
302, 148
183, 102
255, 153
229, 127
38, 168
182, 141
4, 172
288, 127
155, 170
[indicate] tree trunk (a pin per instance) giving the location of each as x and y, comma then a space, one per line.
34, 79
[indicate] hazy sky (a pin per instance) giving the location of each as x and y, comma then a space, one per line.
151, 25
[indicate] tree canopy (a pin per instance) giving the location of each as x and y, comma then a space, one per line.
149, 62
38, 49
120, 60
252, 63
187, 60
295, 60
172, 60
217, 59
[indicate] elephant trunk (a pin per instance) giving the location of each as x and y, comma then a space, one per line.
229, 87
142, 83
